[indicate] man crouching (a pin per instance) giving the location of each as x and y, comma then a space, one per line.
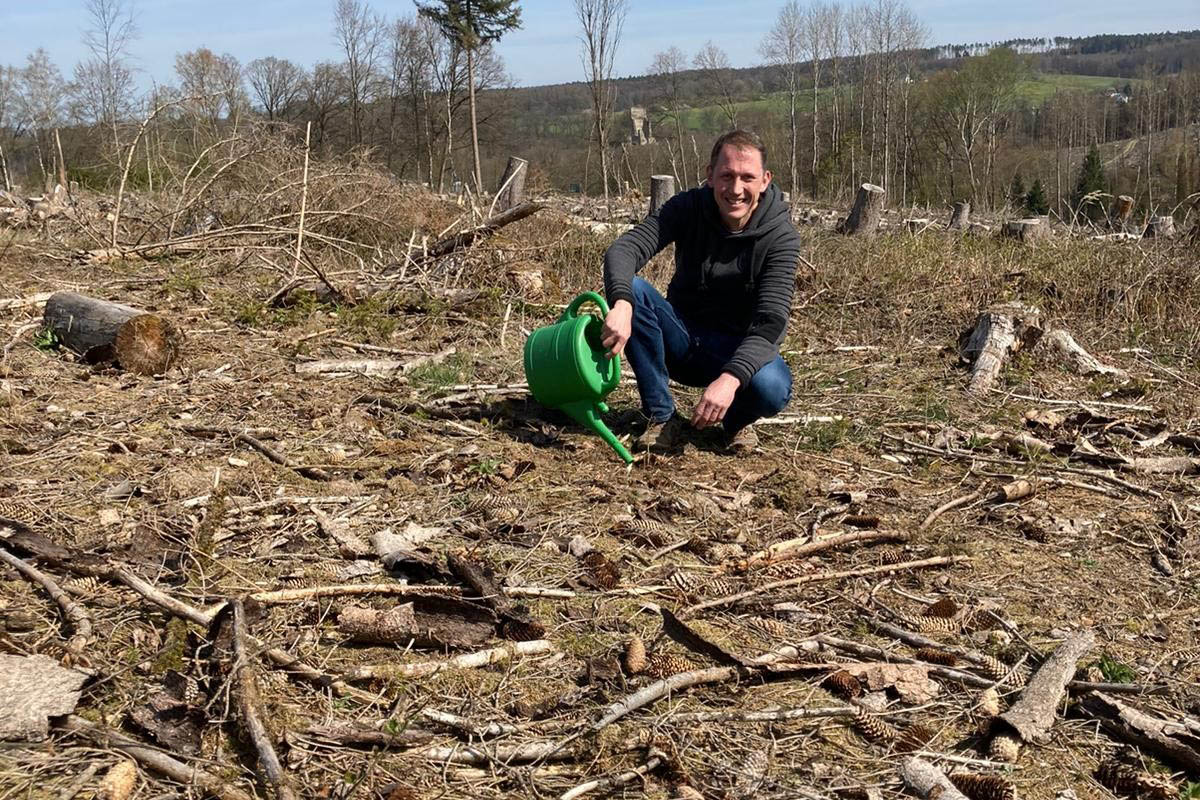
727, 306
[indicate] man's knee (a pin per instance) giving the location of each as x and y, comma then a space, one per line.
772, 386
643, 290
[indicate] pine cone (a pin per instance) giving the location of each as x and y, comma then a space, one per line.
983, 787
872, 729
1005, 747
784, 570
1117, 777
635, 656
916, 736
690, 583
989, 702
655, 533
118, 783
883, 491
927, 624
664, 665
861, 520
945, 607
769, 626
844, 685
890, 555
721, 587
18, 515
83, 587
997, 670
603, 572
934, 656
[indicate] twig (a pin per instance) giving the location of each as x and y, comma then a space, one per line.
21, 331
281, 596
606, 784
76, 614
303, 203
801, 548
953, 504
757, 592
779, 715
659, 690
248, 707
483, 658
151, 758
84, 778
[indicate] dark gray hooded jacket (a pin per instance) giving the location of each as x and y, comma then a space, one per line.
739, 283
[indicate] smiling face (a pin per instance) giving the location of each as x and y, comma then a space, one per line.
737, 179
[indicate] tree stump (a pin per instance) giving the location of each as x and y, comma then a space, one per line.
960, 217
786, 197
1029, 230
512, 186
997, 333
866, 213
1122, 210
100, 331
1161, 227
662, 189
918, 224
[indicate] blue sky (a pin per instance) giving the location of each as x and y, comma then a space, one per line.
546, 50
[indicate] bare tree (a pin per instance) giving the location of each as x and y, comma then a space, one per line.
602, 22
714, 63
324, 94
10, 120
212, 83
359, 33
668, 66
814, 30
782, 47
42, 98
104, 83
277, 84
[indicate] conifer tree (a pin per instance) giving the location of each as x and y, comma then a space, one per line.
1091, 179
470, 24
1016, 192
1035, 200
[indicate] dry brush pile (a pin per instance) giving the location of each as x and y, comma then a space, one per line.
336, 551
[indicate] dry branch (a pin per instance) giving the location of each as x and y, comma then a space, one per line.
76, 614
371, 367
467, 238
780, 715
281, 596
1080, 360
997, 334
518, 624
1170, 740
250, 708
950, 506
660, 689
425, 621
152, 758
483, 658
928, 781
804, 547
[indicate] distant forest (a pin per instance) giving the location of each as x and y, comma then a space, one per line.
844, 94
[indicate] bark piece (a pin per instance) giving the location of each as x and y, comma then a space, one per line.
100, 331
1032, 716
866, 213
1170, 740
662, 189
960, 216
512, 184
34, 689
928, 781
998, 333
1027, 231
426, 621
911, 681
1080, 360
517, 623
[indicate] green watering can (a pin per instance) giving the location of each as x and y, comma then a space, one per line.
567, 368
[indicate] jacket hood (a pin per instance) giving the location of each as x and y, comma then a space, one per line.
771, 214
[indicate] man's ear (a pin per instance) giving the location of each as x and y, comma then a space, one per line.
766, 178
708, 174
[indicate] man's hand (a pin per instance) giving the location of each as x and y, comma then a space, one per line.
716, 400
618, 325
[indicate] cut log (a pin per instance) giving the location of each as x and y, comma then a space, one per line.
100, 331
512, 186
1031, 717
662, 189
1162, 227
1170, 740
928, 781
1080, 360
866, 213
960, 217
427, 621
1122, 210
1029, 230
997, 333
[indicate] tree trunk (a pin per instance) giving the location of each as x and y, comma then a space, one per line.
997, 333
868, 208
512, 186
1160, 228
662, 189
1029, 230
100, 331
960, 217
474, 124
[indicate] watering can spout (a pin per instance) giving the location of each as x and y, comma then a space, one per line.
587, 413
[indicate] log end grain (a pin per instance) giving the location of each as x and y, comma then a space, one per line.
148, 345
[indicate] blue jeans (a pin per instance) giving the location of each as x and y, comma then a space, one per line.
663, 346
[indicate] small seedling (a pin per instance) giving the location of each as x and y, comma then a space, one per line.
1114, 671
46, 339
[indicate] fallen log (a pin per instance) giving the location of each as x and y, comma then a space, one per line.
1170, 740
866, 212
998, 333
1031, 717
100, 331
467, 238
928, 781
1080, 360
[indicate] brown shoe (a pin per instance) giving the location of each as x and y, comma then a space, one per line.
744, 441
661, 437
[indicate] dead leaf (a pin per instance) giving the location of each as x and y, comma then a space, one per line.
34, 689
911, 681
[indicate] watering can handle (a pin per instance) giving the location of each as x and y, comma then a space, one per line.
572, 310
